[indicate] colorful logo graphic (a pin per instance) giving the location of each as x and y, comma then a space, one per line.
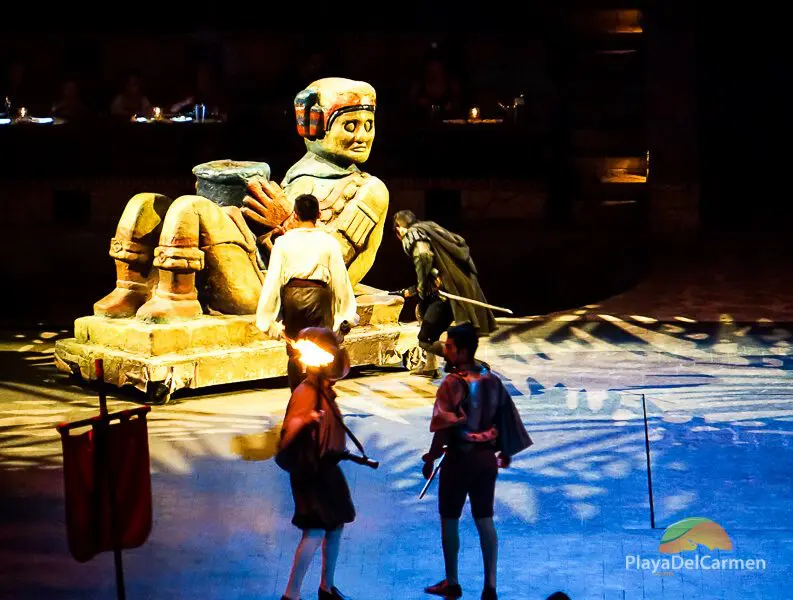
688, 533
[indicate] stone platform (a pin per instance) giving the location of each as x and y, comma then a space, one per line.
160, 359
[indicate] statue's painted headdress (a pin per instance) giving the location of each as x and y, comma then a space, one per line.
320, 103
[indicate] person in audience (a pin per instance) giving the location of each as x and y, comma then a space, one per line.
131, 101
437, 90
206, 91
70, 105
15, 91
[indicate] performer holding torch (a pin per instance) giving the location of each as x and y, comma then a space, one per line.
477, 431
312, 444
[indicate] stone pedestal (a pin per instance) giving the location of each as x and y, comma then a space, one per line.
160, 359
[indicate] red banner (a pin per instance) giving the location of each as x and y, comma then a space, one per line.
120, 460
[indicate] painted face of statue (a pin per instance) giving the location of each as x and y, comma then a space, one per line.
349, 139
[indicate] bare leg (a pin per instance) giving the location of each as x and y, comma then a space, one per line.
450, 537
488, 540
304, 554
330, 554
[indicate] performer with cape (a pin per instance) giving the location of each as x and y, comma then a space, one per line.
441, 258
477, 430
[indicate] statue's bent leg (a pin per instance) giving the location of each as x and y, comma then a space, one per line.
234, 277
197, 234
132, 248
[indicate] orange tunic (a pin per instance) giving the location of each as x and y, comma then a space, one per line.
304, 400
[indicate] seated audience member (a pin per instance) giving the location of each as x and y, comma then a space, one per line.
131, 101
70, 105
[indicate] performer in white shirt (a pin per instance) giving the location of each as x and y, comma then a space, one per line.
306, 281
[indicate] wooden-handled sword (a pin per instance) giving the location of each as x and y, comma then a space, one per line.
449, 296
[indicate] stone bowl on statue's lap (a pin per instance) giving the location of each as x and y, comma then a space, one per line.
225, 182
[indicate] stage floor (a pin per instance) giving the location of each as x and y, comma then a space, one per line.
570, 511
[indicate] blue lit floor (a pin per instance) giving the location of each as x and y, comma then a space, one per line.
570, 511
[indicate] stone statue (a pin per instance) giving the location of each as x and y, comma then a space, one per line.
336, 118
161, 247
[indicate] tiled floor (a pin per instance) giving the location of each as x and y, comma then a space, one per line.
571, 510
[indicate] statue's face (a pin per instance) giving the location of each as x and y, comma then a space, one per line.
349, 139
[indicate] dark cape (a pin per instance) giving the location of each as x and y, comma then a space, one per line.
457, 270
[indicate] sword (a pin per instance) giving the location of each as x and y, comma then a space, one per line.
434, 473
471, 301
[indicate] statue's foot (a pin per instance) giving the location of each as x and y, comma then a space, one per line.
160, 309
121, 303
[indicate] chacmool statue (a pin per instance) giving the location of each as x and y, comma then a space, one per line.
196, 254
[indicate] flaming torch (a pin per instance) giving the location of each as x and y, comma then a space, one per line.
312, 355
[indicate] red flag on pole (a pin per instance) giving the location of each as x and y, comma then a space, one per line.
97, 471
107, 480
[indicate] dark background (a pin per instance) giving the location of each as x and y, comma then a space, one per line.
705, 94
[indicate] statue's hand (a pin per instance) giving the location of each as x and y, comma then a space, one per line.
267, 204
268, 239
290, 223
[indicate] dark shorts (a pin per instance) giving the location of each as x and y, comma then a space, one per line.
437, 317
322, 499
468, 474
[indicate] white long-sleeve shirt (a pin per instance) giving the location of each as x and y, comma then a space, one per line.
306, 253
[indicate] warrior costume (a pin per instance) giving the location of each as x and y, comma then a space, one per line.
450, 255
474, 417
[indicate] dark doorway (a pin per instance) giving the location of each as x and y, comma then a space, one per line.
744, 115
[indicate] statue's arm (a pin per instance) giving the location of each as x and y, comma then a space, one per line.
359, 227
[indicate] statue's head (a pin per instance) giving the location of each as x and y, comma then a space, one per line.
336, 118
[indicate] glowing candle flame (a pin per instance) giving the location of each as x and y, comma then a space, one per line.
312, 355
23, 112
157, 112
474, 113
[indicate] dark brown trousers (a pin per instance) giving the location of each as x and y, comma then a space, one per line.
303, 306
